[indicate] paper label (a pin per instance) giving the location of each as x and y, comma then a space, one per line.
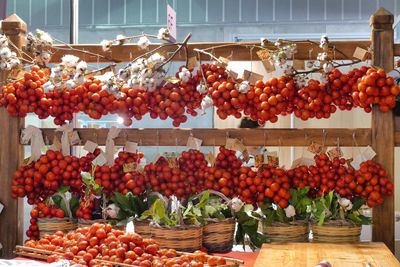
27, 160
263, 54
211, 158
335, 153
172, 159
224, 61
271, 158
366, 153
258, 160
234, 144
100, 160
90, 146
302, 161
129, 167
268, 65
130, 147
192, 62
298, 64
233, 74
246, 156
360, 54
315, 148
74, 138
56, 146
171, 22
252, 77
194, 143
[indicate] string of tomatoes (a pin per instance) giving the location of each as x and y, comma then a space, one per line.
210, 85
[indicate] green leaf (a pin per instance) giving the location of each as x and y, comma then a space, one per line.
354, 218
63, 189
74, 205
358, 202
248, 208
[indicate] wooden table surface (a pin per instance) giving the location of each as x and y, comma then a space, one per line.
339, 255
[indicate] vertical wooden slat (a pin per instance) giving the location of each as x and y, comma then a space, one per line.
11, 154
383, 125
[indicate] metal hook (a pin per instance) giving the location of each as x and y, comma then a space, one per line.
125, 135
265, 137
324, 132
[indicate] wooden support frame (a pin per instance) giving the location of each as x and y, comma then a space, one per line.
381, 136
11, 155
217, 137
383, 125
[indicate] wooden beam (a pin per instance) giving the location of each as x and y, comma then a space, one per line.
217, 137
11, 156
397, 138
234, 51
396, 51
383, 126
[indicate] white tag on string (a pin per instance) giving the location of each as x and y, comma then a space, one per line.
194, 143
90, 146
56, 146
74, 138
171, 22
192, 62
360, 54
252, 77
302, 161
271, 158
130, 147
100, 160
366, 153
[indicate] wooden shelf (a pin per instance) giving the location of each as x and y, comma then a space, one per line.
217, 137
237, 52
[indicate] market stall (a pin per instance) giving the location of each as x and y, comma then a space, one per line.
169, 199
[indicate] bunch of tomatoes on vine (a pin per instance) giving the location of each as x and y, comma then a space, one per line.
262, 101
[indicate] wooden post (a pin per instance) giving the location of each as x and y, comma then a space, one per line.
11, 154
383, 125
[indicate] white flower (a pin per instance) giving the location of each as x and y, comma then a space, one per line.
236, 204
44, 37
45, 57
310, 64
163, 33
5, 66
105, 77
112, 211
70, 84
277, 43
120, 39
148, 84
328, 67
184, 75
69, 61
3, 41
288, 70
56, 72
106, 45
290, 211
300, 81
155, 58
324, 42
345, 203
146, 73
141, 63
201, 88
48, 86
133, 82
206, 103
79, 78
81, 67
123, 74
143, 42
14, 62
5, 53
244, 87
322, 56
274, 206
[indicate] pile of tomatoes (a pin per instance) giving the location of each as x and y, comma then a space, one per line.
262, 102
87, 246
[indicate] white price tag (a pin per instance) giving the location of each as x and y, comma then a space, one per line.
100, 160
194, 143
74, 138
366, 153
302, 161
171, 22
130, 147
90, 146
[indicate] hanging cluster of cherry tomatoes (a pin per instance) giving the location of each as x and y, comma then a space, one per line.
262, 102
86, 246
370, 182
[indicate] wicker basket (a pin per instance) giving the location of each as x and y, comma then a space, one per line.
287, 232
142, 228
218, 235
183, 238
338, 231
52, 225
